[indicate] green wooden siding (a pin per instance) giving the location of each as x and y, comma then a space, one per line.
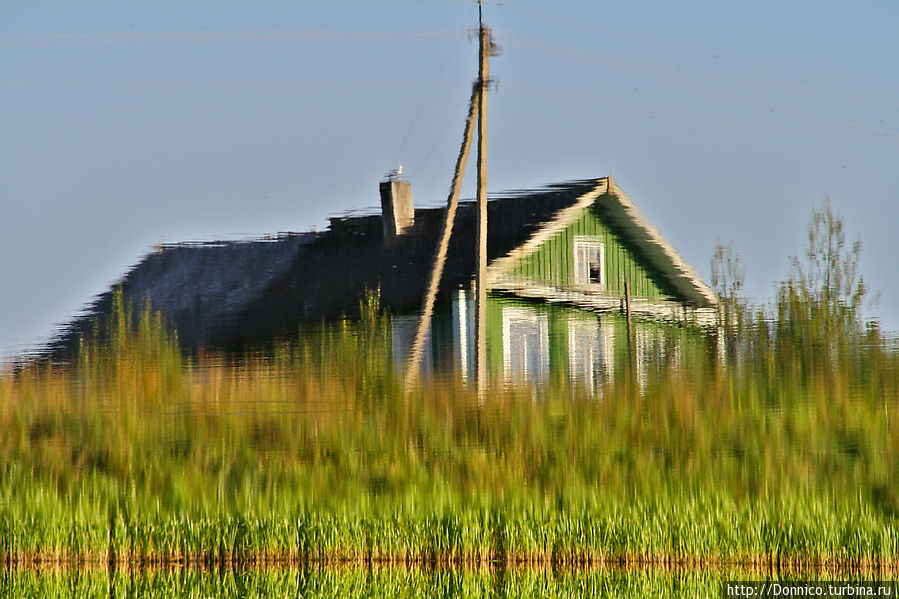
558, 317
661, 345
553, 262
495, 332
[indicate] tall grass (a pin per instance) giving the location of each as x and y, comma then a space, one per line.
312, 452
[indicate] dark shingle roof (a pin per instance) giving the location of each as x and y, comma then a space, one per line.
232, 294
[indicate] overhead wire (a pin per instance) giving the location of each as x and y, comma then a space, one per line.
429, 94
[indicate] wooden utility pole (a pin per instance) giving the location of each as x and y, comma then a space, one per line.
449, 216
630, 334
485, 43
477, 106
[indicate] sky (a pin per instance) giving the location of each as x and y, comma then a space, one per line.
127, 124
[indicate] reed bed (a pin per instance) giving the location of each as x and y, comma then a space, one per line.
311, 452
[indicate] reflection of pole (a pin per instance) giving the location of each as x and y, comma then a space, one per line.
630, 338
449, 215
481, 273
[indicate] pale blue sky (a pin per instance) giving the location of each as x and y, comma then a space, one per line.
123, 124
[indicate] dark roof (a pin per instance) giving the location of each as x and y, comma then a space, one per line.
199, 287
234, 294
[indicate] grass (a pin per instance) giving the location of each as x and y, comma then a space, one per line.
352, 581
312, 452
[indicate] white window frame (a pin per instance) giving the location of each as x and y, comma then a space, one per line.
538, 325
463, 332
598, 362
582, 245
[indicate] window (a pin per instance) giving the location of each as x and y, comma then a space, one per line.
655, 350
463, 332
588, 261
590, 355
525, 345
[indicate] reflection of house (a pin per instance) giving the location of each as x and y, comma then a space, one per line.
559, 258
558, 296
535, 341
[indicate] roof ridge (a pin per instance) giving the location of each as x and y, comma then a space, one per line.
684, 275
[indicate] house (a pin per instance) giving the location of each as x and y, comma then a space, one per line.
559, 259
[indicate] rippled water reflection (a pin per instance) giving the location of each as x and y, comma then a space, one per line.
350, 582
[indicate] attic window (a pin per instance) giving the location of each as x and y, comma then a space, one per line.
589, 267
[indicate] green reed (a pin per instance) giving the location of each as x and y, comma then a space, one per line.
352, 582
312, 452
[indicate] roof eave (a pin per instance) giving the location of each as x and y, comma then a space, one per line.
625, 216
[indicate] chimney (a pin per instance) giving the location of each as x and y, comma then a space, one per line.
397, 212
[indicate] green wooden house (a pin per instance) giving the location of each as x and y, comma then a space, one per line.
558, 261
558, 296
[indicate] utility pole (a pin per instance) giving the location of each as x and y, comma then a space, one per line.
630, 334
477, 109
449, 215
485, 43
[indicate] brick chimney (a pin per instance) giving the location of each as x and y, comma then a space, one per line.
397, 211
